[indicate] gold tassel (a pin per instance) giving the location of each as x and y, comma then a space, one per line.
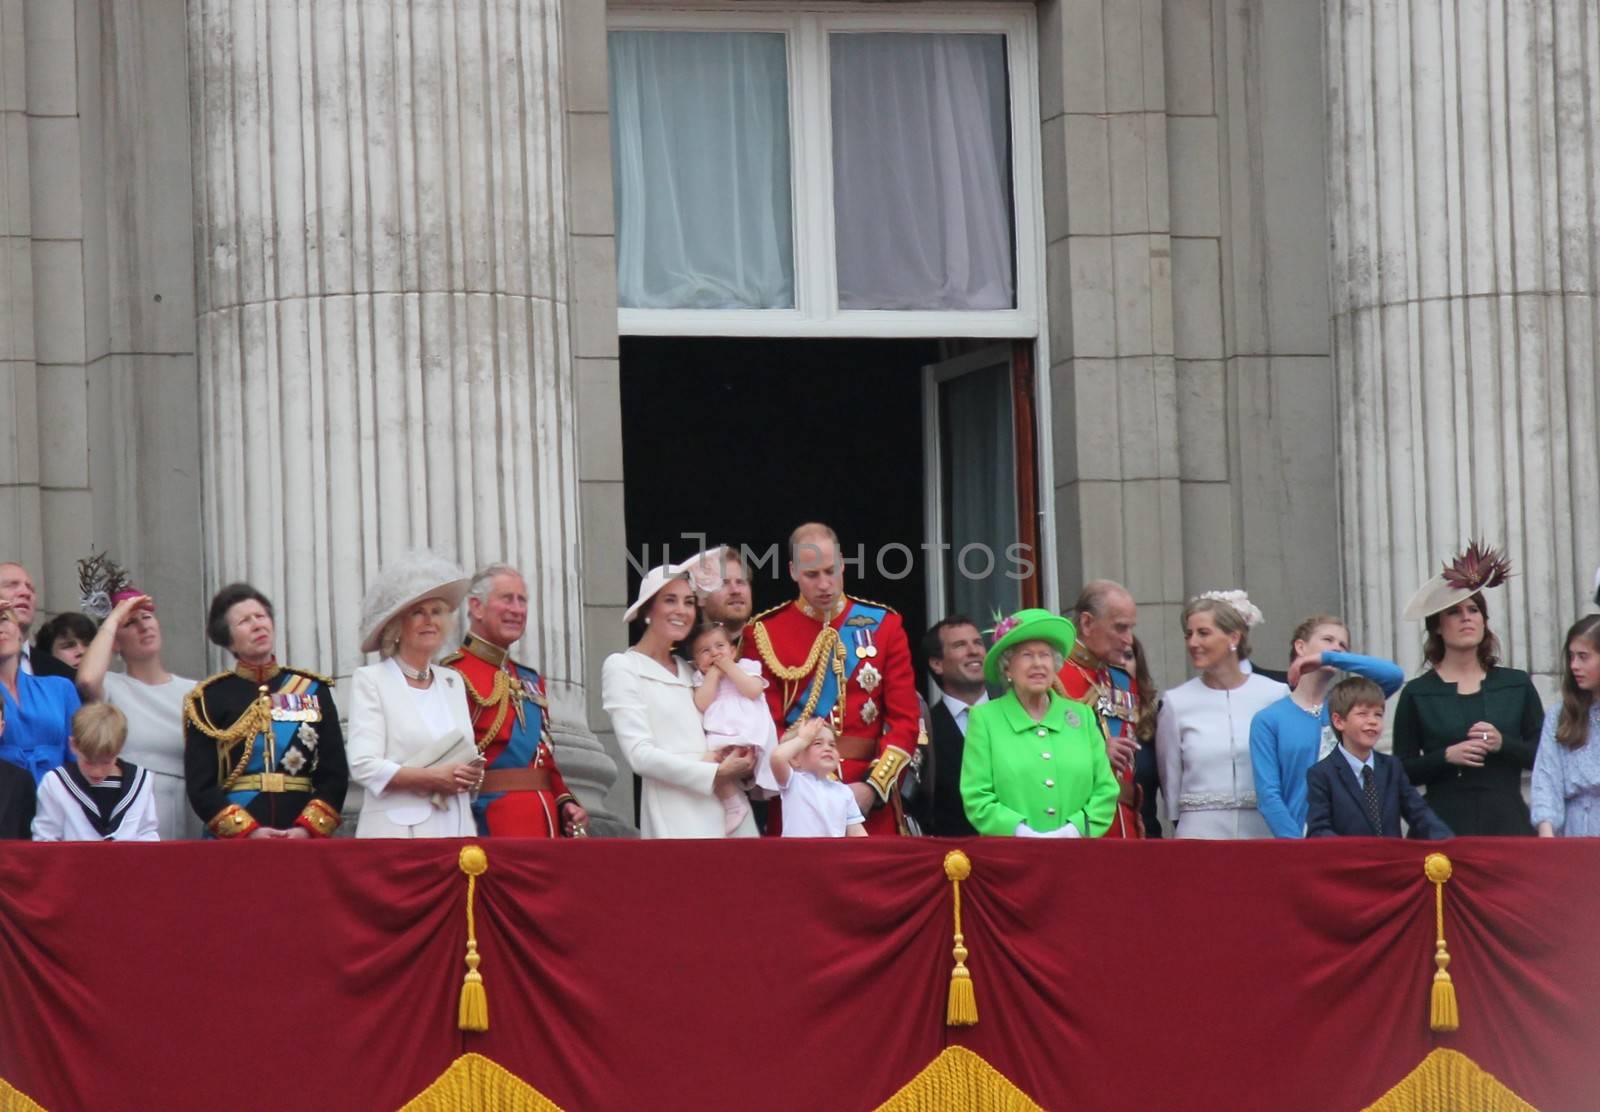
473, 1014
1443, 1014
962, 1009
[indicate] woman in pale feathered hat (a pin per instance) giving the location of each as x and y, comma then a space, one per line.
411, 743
1034, 763
1467, 727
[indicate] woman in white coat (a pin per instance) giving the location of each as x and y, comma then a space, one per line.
410, 741
646, 691
1203, 731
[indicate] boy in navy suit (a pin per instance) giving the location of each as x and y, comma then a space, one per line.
1355, 789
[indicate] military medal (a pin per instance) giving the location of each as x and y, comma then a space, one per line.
292, 762
868, 677
307, 737
869, 712
866, 646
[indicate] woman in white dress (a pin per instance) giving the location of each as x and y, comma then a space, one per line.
1203, 732
647, 692
149, 697
410, 741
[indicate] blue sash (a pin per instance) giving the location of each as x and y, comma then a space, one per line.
282, 737
859, 616
522, 746
1122, 683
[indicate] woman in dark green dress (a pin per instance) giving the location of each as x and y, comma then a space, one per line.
1466, 728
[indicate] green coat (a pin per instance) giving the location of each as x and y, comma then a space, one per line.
1430, 717
1046, 773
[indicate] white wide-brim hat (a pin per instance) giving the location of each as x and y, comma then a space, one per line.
697, 570
407, 580
1479, 568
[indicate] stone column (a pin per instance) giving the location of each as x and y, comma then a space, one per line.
382, 303
1463, 182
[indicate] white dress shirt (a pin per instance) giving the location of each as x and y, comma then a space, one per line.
958, 710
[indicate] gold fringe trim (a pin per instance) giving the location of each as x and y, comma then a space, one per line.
959, 1079
473, 1014
1448, 1081
961, 1010
474, 1082
13, 1099
1443, 1014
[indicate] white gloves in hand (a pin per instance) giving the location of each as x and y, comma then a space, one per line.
1023, 830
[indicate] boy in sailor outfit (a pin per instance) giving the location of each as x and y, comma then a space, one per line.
99, 798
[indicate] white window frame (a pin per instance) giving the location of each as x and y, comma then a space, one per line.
816, 311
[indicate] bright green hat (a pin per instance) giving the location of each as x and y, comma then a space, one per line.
1028, 625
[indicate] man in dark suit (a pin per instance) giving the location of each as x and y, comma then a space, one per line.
1356, 790
953, 651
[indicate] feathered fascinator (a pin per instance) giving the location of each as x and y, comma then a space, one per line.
100, 579
1479, 568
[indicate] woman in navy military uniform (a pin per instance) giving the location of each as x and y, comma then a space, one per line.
263, 750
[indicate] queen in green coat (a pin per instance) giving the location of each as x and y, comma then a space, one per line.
1035, 763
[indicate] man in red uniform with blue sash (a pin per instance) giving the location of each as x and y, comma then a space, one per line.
829, 655
523, 794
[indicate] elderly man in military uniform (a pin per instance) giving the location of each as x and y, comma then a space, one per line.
1095, 675
263, 750
523, 794
827, 654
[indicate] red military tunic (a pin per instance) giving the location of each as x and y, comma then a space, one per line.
1086, 680
506, 698
877, 725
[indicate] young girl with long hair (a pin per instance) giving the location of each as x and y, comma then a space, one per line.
1566, 772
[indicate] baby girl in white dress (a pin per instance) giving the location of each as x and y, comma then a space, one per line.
730, 695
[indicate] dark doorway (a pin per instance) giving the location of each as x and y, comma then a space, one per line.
741, 440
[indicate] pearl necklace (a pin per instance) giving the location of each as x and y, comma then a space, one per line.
416, 675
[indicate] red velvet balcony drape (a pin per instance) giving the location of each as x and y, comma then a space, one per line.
790, 974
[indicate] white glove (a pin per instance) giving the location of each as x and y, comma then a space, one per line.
1023, 830
1067, 830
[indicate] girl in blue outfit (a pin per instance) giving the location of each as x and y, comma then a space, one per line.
1286, 737
1566, 772
38, 709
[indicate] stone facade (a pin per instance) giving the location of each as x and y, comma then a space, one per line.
1192, 388
1465, 271
256, 234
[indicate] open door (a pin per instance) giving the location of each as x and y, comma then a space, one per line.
982, 502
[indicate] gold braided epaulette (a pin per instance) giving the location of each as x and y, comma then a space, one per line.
325, 681
884, 606
191, 700
768, 612
450, 661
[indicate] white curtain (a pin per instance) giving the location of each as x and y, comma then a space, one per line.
921, 171
980, 484
700, 162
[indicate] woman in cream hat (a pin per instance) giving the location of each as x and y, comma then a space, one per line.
410, 742
647, 692
1466, 728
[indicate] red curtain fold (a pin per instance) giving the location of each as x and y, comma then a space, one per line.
790, 974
